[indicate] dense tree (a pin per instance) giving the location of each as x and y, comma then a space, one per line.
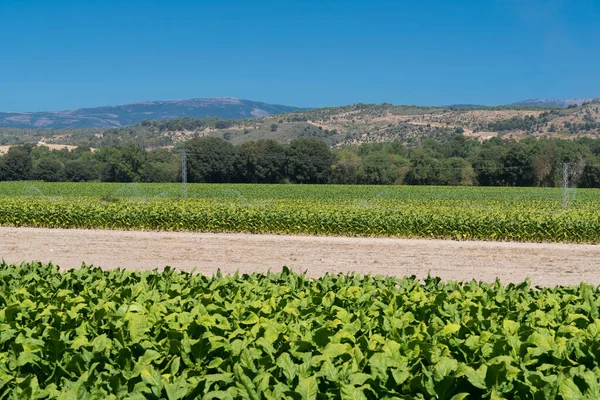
517, 163
489, 163
388, 147
223, 124
122, 165
516, 123
456, 171
590, 176
459, 146
81, 170
210, 159
49, 170
424, 169
262, 161
544, 163
160, 172
382, 168
308, 161
345, 168
162, 165
456, 161
16, 164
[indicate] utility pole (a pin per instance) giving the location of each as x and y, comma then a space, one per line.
184, 174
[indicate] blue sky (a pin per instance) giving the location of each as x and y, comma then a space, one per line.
64, 54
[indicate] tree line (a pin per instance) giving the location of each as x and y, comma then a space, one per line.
457, 161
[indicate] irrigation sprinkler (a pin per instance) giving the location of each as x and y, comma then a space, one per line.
184, 174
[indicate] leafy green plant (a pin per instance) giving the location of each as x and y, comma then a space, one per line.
89, 333
531, 221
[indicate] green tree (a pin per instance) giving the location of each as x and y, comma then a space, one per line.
424, 169
381, 168
210, 159
590, 177
517, 163
162, 165
455, 171
488, 163
161, 155
262, 161
345, 168
309, 161
49, 170
81, 170
160, 172
122, 165
16, 164
544, 162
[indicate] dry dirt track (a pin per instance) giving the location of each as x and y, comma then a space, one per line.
546, 264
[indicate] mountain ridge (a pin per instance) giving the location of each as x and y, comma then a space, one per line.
562, 103
231, 108
132, 113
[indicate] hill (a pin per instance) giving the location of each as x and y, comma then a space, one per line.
563, 103
339, 126
133, 113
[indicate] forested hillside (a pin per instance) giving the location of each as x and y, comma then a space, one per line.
340, 126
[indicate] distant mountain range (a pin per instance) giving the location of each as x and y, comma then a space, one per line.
128, 114
554, 102
221, 107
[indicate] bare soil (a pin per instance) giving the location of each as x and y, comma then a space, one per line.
4, 149
546, 264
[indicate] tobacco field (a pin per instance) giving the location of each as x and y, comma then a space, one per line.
514, 214
95, 334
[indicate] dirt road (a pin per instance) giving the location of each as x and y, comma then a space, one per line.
546, 264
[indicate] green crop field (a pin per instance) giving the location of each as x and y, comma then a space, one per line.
517, 214
94, 334
152, 191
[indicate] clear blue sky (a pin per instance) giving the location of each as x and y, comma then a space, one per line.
63, 54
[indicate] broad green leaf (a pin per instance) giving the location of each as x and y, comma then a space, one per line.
359, 379
245, 383
510, 327
379, 366
349, 392
569, 390
460, 396
223, 379
333, 350
176, 390
76, 390
328, 299
450, 329
308, 388
329, 371
287, 366
175, 365
152, 378
476, 377
27, 358
79, 342
218, 395
443, 368
100, 343
251, 319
